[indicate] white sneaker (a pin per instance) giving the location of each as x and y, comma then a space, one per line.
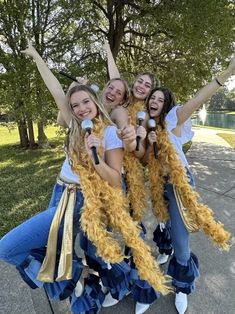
141, 308
103, 288
162, 258
109, 300
181, 302
79, 288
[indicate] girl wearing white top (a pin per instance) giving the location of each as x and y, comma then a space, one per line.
91, 200
171, 182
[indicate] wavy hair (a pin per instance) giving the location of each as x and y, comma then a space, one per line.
169, 102
74, 134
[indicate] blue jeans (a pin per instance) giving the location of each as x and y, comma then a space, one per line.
16, 245
179, 233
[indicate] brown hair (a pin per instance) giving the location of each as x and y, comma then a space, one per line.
155, 81
169, 102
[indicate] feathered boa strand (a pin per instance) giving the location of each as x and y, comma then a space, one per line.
105, 205
168, 163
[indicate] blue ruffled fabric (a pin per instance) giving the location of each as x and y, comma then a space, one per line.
184, 276
141, 291
93, 261
57, 290
116, 279
91, 300
163, 240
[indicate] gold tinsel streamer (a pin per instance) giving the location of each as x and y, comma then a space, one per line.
168, 163
134, 171
100, 200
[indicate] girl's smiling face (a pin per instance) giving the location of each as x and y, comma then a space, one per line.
156, 103
83, 106
142, 87
114, 93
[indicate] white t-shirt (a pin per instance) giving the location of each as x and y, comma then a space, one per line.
186, 133
110, 141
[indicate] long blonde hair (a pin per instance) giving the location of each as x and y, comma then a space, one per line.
74, 134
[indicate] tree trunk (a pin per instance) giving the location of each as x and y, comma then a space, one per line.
24, 139
31, 134
42, 138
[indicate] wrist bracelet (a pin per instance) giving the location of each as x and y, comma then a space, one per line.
218, 82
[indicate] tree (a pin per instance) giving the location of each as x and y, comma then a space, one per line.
180, 41
49, 25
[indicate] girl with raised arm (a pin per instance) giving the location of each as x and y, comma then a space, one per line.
114, 97
141, 291
171, 183
87, 195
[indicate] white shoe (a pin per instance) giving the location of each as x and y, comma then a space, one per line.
109, 300
181, 302
141, 308
103, 288
79, 288
162, 258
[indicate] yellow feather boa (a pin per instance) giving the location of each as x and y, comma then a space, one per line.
168, 163
135, 173
105, 205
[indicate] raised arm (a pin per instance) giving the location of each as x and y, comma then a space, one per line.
51, 82
205, 93
60, 120
112, 67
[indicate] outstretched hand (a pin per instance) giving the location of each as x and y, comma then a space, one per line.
30, 50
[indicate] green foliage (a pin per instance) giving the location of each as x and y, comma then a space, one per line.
26, 178
179, 41
222, 100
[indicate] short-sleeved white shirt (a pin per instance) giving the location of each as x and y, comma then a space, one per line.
186, 133
110, 141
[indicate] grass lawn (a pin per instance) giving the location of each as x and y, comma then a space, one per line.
230, 138
26, 177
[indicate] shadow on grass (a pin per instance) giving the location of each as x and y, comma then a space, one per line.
27, 178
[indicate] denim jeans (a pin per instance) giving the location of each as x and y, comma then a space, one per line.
179, 233
16, 245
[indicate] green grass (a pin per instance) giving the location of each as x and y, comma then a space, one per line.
229, 138
26, 177
212, 127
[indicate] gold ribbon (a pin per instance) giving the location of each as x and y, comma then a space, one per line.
189, 223
65, 209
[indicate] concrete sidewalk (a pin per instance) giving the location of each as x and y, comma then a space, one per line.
208, 135
214, 170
